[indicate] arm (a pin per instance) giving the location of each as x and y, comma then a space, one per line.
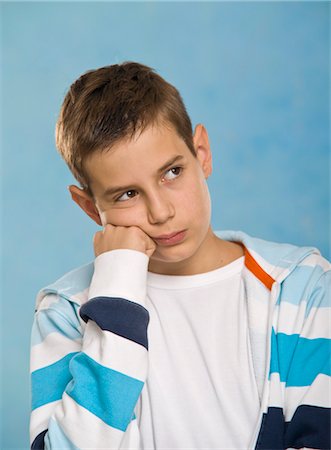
86, 380
308, 393
56, 338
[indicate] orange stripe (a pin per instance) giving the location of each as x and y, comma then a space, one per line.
257, 270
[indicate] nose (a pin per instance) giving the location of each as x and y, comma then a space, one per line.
160, 208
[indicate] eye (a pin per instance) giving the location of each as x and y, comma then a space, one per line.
128, 194
174, 172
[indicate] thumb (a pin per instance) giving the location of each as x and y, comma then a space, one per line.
151, 246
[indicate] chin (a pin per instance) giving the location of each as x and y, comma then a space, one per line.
172, 254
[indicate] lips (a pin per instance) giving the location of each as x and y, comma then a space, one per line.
167, 236
170, 239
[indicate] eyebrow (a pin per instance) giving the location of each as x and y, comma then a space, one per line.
113, 190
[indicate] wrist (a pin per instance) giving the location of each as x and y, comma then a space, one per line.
120, 273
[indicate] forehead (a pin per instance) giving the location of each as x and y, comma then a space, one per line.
148, 150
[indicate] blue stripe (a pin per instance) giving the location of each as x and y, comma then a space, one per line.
299, 360
73, 282
120, 316
299, 286
57, 439
108, 394
321, 295
49, 383
61, 317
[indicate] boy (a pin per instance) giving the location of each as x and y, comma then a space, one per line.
176, 337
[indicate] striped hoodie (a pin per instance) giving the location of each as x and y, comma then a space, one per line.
89, 355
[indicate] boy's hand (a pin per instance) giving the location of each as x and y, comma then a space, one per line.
116, 237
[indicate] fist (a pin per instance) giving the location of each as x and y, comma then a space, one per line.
115, 237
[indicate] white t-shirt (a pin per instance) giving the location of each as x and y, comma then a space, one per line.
200, 392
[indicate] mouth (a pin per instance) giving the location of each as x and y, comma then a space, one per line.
170, 239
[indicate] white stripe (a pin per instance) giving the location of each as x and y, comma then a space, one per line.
318, 324
39, 419
54, 347
290, 317
81, 297
291, 320
276, 391
87, 431
318, 394
289, 398
115, 352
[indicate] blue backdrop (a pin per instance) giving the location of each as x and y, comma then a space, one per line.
255, 73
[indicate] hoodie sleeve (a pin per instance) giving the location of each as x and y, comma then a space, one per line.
298, 413
308, 380
88, 367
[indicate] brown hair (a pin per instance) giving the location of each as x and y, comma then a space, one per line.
114, 102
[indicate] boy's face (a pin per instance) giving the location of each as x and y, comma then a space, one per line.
161, 188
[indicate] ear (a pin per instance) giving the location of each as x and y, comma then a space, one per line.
202, 148
86, 202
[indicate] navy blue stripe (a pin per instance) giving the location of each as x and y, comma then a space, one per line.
309, 427
39, 443
118, 315
272, 429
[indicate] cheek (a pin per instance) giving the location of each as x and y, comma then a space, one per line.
196, 201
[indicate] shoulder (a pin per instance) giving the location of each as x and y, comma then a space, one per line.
71, 287
300, 270
279, 259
